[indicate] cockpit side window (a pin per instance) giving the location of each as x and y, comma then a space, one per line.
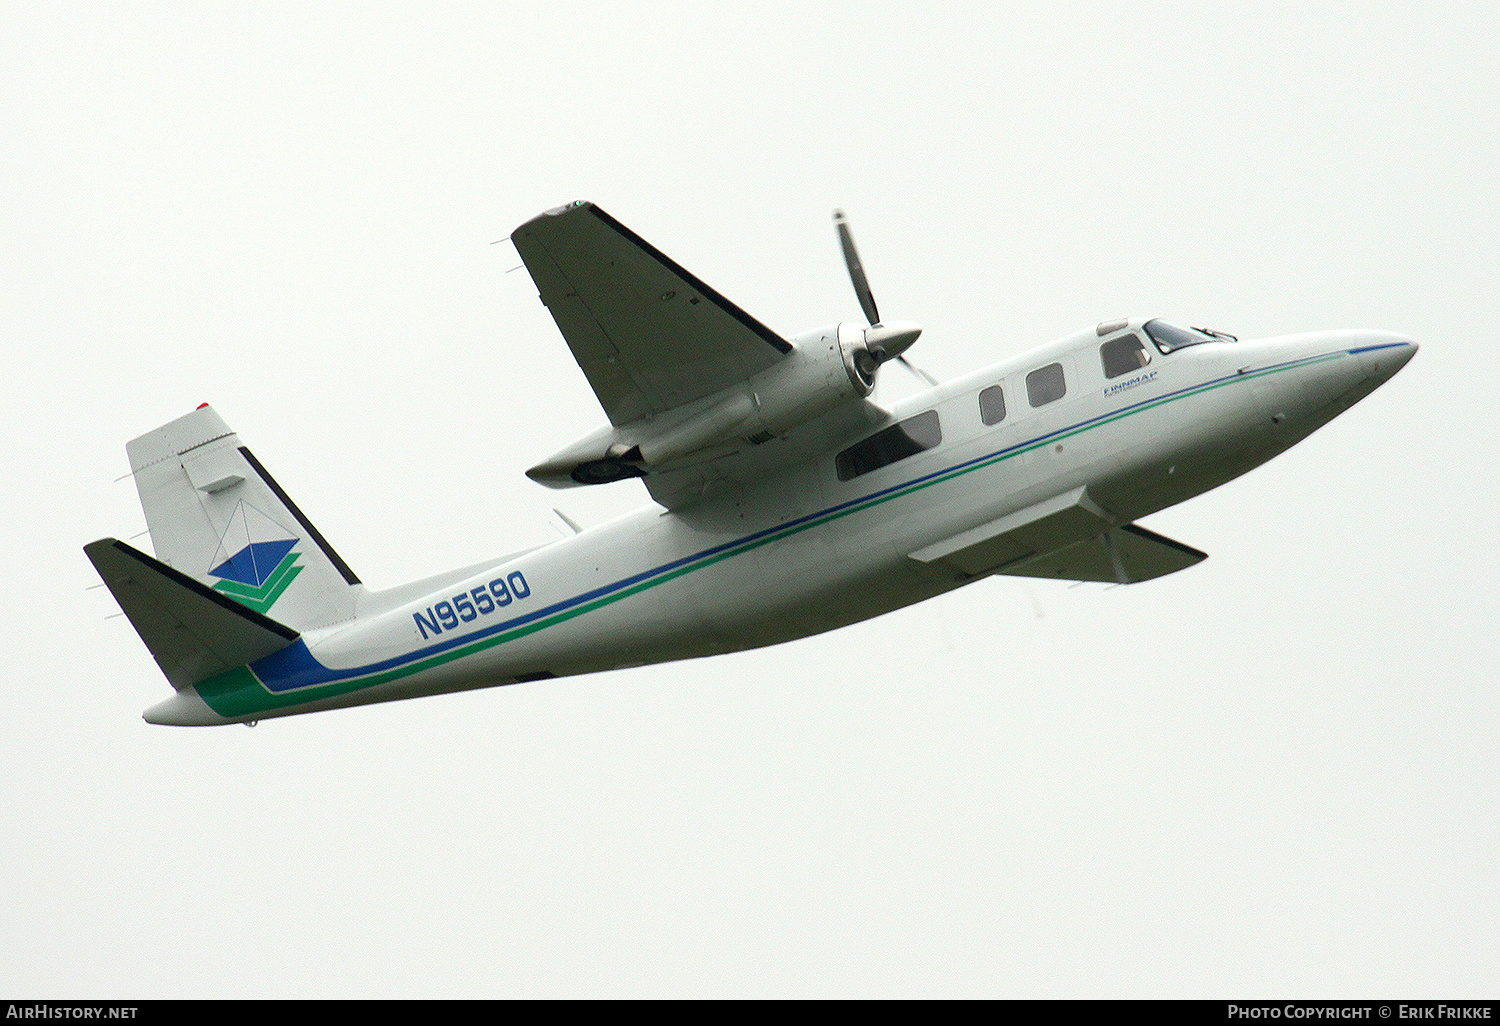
1123, 355
887, 446
1169, 337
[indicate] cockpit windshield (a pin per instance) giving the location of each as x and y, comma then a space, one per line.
1169, 337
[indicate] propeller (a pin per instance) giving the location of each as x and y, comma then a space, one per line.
883, 342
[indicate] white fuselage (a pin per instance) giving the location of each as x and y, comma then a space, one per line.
803, 551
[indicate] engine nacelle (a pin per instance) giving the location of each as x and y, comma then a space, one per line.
826, 367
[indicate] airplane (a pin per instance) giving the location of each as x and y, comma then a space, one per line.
786, 502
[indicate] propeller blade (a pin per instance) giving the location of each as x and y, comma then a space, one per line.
856, 269
919, 372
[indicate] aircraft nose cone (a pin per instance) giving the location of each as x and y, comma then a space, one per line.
1383, 354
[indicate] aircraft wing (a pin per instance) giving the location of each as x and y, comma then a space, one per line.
649, 335
1126, 555
1066, 537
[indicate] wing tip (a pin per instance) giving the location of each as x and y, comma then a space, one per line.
566, 207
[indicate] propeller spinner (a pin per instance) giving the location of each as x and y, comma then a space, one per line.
883, 342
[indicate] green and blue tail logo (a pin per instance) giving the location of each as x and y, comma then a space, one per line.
263, 562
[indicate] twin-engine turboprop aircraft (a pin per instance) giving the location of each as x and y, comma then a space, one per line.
787, 503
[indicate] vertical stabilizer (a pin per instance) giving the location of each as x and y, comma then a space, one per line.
218, 517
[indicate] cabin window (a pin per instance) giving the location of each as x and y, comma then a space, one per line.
992, 405
1045, 384
1123, 355
887, 446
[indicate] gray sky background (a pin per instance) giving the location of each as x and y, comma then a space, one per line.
1274, 774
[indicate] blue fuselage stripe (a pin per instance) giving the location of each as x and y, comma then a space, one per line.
294, 668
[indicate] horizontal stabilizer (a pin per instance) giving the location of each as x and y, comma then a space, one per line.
193, 631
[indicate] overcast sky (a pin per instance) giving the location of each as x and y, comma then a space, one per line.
1274, 774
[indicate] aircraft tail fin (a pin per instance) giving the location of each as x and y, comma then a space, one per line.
217, 517
193, 631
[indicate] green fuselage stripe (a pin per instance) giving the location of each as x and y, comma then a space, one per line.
239, 692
